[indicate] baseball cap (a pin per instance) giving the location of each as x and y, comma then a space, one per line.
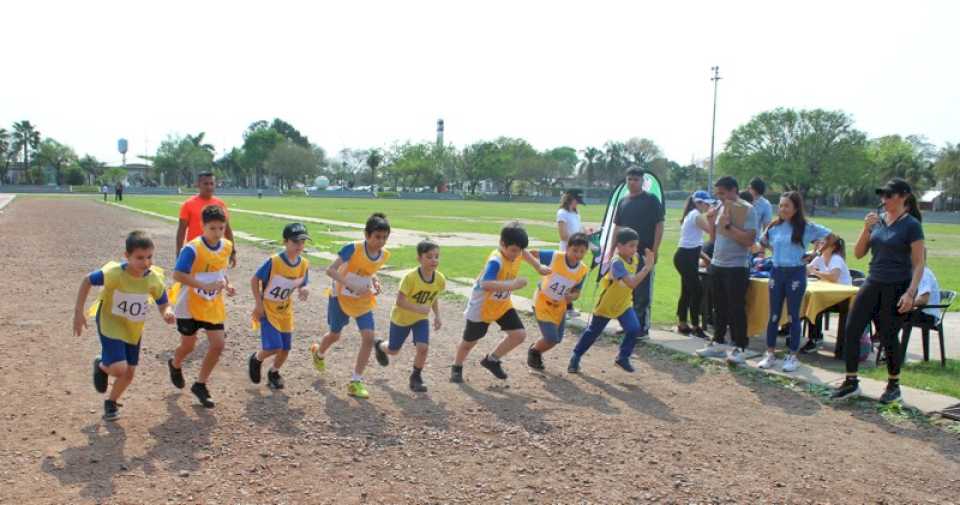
703, 196
295, 231
895, 186
577, 194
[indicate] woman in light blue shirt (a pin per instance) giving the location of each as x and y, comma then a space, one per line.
788, 236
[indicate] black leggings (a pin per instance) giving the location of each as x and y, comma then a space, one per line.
730, 295
876, 302
687, 262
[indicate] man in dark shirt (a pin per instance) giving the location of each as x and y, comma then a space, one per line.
644, 213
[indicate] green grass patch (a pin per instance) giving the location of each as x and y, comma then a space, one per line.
928, 376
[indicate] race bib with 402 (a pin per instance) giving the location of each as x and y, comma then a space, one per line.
280, 288
557, 286
130, 306
206, 278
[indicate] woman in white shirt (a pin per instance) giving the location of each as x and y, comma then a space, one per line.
687, 262
829, 266
568, 223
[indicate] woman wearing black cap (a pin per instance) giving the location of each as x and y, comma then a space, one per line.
895, 239
568, 223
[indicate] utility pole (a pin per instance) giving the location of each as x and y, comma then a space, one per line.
713, 128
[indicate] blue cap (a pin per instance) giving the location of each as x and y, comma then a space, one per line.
703, 196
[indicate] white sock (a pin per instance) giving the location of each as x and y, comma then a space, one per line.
356, 378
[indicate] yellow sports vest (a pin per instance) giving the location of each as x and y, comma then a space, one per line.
419, 292
550, 302
278, 293
208, 266
615, 296
360, 269
488, 306
124, 302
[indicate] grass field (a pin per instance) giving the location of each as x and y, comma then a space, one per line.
487, 217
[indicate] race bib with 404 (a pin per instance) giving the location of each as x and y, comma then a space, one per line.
280, 288
206, 278
355, 280
557, 286
130, 306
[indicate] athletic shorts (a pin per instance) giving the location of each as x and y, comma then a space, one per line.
337, 319
272, 339
475, 330
190, 327
114, 351
552, 332
399, 334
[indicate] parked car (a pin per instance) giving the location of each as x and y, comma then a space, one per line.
334, 188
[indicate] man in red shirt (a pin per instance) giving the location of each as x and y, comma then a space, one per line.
190, 226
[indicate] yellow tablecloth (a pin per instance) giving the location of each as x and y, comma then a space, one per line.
819, 296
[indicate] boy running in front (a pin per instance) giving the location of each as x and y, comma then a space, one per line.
416, 298
201, 274
120, 312
272, 287
354, 296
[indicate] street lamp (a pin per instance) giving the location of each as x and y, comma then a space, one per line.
713, 128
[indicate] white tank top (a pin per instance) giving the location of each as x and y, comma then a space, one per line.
691, 236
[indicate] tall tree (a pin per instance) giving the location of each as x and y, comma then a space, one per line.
197, 140
588, 166
26, 138
179, 159
479, 162
290, 133
615, 162
230, 163
947, 168
258, 141
91, 167
56, 155
909, 158
5, 148
374, 159
641, 151
290, 162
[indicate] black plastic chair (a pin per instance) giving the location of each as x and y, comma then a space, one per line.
936, 324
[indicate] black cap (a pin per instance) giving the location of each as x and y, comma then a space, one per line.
895, 186
577, 195
295, 231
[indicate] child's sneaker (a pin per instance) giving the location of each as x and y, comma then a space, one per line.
574, 366
318, 361
254, 368
176, 375
382, 357
99, 377
624, 363
199, 390
456, 374
769, 361
534, 359
356, 389
416, 384
111, 410
274, 380
494, 367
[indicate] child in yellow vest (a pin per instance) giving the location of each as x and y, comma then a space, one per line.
615, 300
273, 286
555, 293
355, 288
417, 296
120, 312
490, 301
201, 275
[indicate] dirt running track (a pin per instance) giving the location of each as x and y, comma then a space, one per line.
671, 433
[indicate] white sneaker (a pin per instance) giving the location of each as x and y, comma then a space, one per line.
712, 350
790, 363
735, 356
769, 361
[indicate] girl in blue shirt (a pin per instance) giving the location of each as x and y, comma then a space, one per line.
788, 236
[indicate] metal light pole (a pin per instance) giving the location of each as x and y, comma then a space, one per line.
713, 128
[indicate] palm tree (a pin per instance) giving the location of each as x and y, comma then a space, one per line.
588, 166
4, 153
25, 137
197, 140
374, 159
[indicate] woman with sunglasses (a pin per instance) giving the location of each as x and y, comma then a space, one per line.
894, 237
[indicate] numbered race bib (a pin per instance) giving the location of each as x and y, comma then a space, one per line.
130, 306
208, 277
280, 288
500, 295
354, 279
557, 286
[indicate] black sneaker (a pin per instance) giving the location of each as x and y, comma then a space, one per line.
891, 394
416, 384
199, 390
624, 363
99, 377
274, 379
254, 368
494, 367
699, 333
176, 375
810, 346
382, 357
456, 374
849, 389
111, 410
534, 359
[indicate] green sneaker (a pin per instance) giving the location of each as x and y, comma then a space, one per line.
318, 361
357, 390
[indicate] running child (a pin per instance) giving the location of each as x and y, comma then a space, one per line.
355, 288
555, 293
490, 301
417, 296
201, 275
120, 312
616, 300
272, 287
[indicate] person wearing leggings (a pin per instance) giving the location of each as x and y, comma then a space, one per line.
687, 262
788, 236
894, 237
